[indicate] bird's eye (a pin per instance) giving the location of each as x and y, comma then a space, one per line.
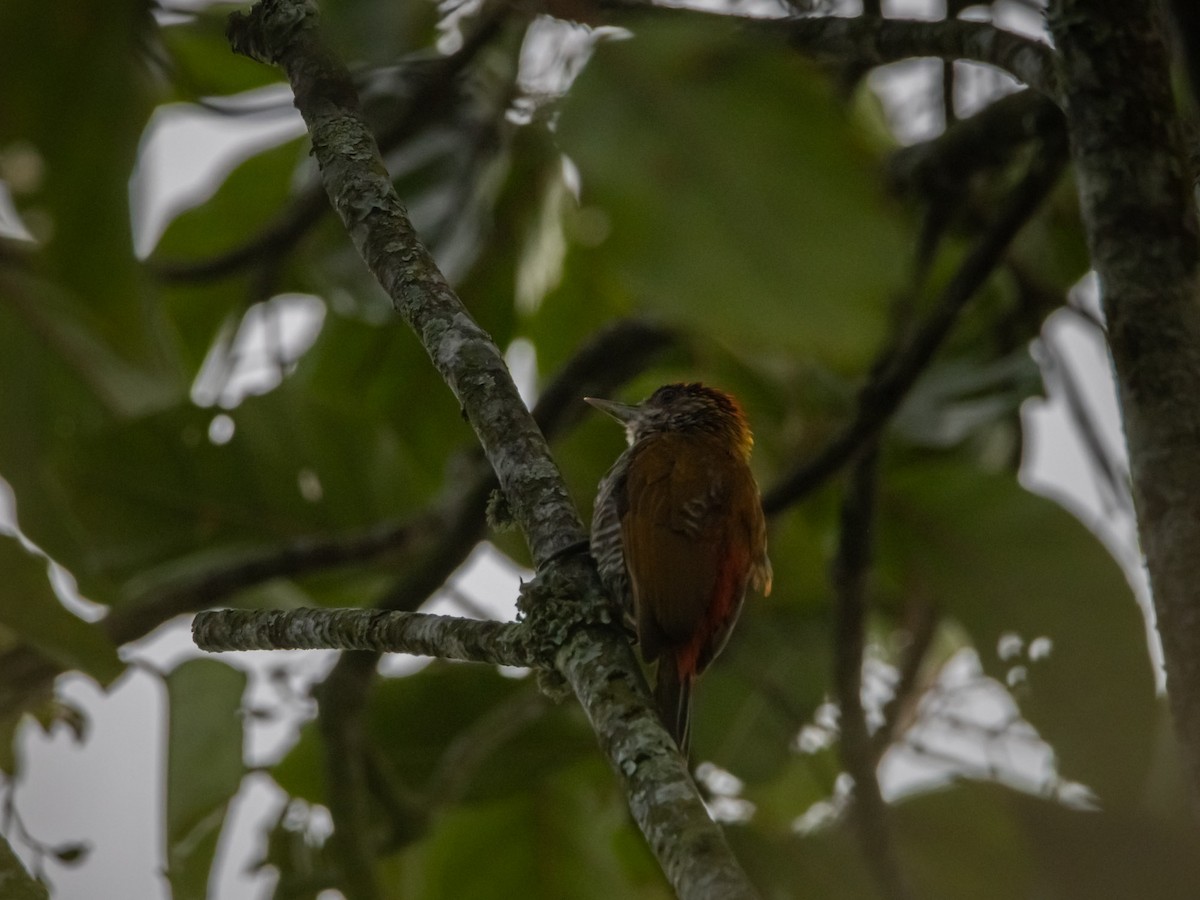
666, 394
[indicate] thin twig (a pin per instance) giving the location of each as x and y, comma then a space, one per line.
942, 166
342, 725
851, 568
921, 622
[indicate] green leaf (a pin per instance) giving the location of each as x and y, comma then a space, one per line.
59, 388
66, 332
204, 766
525, 209
30, 608
1051, 249
15, 882
782, 864
754, 699
84, 100
805, 779
962, 841
736, 196
377, 31
249, 197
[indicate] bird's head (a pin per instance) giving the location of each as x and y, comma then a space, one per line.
682, 407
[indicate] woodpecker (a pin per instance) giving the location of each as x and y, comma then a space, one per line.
678, 533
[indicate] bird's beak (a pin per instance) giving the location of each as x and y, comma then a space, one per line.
622, 412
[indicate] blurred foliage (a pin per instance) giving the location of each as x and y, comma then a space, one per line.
204, 767
163, 425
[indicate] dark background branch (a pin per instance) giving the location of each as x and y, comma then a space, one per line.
899, 366
851, 571
868, 41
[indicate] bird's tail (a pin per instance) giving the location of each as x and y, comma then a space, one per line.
673, 696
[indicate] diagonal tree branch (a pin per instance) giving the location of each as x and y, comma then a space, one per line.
595, 658
361, 191
606, 361
1140, 215
941, 167
434, 82
920, 620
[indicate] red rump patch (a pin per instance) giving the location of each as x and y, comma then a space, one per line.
693, 657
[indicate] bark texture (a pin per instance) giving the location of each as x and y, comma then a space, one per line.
1140, 215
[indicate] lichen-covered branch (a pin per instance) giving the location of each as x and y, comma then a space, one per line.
15, 882
691, 849
284, 32
418, 634
1140, 215
609, 358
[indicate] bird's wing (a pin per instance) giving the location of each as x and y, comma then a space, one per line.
606, 540
687, 548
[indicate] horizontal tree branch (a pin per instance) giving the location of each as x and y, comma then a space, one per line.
877, 42
384, 631
873, 41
